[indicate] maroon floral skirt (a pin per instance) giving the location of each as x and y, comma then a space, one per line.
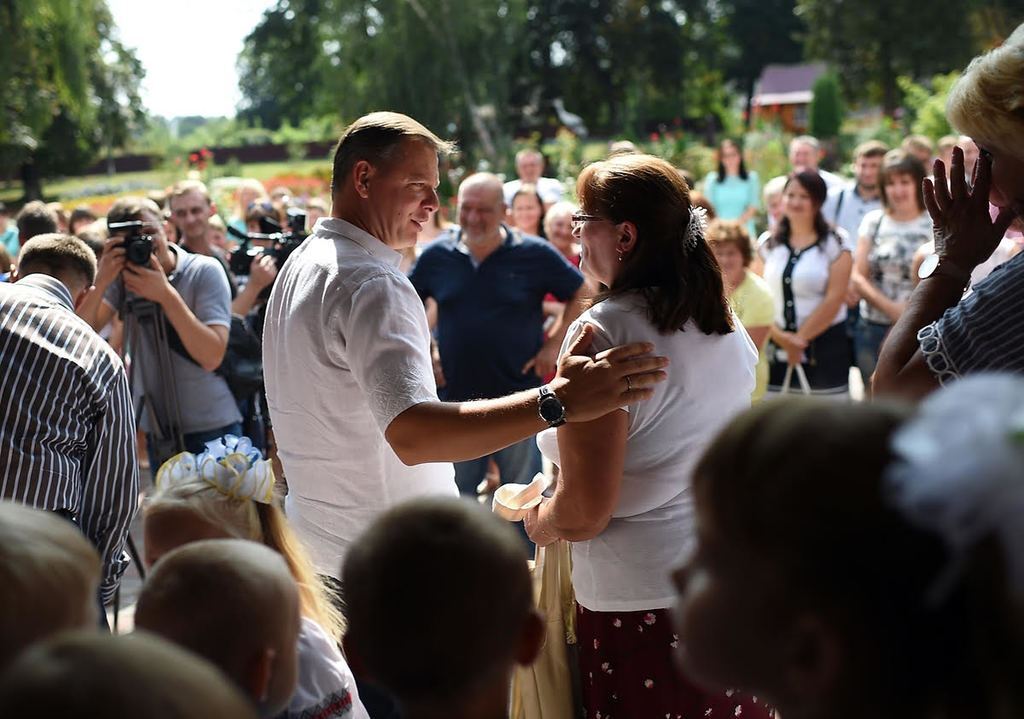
626, 672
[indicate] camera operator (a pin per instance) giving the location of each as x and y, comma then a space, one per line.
263, 270
191, 292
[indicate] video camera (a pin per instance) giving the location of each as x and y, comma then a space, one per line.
283, 240
137, 245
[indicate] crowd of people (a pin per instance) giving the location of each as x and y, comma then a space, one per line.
313, 385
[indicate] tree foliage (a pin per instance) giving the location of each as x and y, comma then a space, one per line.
487, 72
758, 33
826, 111
876, 41
69, 87
926, 104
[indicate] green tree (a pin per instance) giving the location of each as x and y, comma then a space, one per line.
487, 72
761, 32
926, 104
876, 41
826, 111
279, 68
70, 88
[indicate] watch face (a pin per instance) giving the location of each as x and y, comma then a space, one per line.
551, 409
928, 266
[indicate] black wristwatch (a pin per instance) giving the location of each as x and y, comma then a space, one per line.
550, 407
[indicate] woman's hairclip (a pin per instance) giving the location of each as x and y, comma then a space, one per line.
695, 227
960, 472
231, 465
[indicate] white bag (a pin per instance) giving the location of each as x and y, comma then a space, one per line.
805, 386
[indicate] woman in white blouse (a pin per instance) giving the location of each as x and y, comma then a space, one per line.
623, 495
807, 265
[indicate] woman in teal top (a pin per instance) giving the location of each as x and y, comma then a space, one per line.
733, 190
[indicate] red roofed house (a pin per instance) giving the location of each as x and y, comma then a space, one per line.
783, 93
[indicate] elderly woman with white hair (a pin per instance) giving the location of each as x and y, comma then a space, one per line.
558, 230
943, 335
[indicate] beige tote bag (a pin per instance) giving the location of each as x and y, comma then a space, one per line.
544, 690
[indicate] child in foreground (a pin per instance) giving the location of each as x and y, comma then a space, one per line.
887, 557
49, 578
440, 609
235, 604
91, 674
229, 492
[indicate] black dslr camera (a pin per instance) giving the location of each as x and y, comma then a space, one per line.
137, 245
283, 240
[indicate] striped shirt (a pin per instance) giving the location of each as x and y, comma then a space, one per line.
985, 331
67, 430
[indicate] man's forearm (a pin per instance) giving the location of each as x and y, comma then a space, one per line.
201, 341
460, 431
245, 301
110, 496
930, 299
89, 310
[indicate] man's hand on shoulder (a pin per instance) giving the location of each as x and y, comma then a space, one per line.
591, 387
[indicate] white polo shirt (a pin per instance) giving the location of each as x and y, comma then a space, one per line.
549, 189
346, 349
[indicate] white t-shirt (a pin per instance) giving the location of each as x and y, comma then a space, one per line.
891, 256
710, 379
809, 279
549, 189
326, 687
346, 349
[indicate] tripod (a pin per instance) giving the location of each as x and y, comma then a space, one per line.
165, 425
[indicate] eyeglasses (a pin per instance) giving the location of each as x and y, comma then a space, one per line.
578, 218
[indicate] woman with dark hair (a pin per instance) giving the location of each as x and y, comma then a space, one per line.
623, 497
734, 191
807, 265
526, 211
887, 241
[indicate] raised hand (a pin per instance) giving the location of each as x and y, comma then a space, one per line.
965, 232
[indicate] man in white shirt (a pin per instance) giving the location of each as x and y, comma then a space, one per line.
529, 166
805, 153
347, 364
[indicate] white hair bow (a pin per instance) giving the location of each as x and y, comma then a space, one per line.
961, 471
231, 465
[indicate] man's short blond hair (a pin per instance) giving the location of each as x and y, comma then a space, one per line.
374, 138
529, 152
65, 257
49, 575
917, 143
184, 187
870, 148
946, 143
987, 102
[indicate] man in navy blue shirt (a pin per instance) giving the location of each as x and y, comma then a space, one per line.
489, 282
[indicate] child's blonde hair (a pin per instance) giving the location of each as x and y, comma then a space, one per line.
244, 518
49, 573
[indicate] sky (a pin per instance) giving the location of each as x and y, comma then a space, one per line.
189, 49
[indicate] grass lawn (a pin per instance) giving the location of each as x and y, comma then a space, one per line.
72, 189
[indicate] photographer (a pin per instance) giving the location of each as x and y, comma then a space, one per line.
192, 295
